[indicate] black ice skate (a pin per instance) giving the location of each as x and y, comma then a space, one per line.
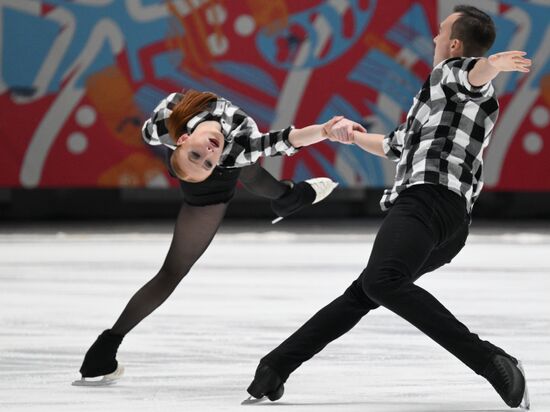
508, 378
302, 194
100, 362
266, 385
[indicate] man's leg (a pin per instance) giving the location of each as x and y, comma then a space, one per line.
409, 244
388, 280
331, 322
342, 314
328, 324
421, 221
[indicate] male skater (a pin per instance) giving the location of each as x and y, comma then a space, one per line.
438, 178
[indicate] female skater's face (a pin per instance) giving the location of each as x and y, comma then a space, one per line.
445, 47
197, 154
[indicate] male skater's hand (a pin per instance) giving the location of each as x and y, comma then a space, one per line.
327, 127
486, 69
342, 131
511, 61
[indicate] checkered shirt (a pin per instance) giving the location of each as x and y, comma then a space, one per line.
444, 135
244, 143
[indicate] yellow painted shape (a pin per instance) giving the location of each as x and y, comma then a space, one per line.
137, 170
112, 95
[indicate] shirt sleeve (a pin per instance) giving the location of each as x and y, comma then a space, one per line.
393, 143
454, 75
253, 144
154, 130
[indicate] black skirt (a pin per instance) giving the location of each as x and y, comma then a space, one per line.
219, 187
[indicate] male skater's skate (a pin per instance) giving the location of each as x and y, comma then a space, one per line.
439, 175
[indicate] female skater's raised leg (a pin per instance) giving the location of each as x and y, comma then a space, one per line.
286, 196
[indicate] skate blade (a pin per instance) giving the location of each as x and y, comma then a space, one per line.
525, 403
106, 380
252, 401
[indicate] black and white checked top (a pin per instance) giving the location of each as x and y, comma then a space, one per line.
244, 143
444, 135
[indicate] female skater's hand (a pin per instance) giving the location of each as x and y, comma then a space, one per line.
511, 61
343, 131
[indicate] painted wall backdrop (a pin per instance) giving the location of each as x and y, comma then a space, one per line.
78, 78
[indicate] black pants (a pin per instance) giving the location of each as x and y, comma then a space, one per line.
425, 229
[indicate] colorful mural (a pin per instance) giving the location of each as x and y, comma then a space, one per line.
78, 78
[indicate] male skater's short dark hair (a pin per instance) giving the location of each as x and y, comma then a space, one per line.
475, 29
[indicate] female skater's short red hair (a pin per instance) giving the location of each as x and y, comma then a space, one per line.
193, 102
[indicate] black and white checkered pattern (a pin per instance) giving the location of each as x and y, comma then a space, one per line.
446, 131
244, 143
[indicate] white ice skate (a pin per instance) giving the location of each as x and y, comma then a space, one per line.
105, 380
252, 400
323, 186
525, 403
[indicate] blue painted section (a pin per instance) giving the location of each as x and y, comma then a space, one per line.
328, 168
250, 74
301, 172
506, 30
165, 69
267, 44
104, 59
366, 165
413, 31
505, 33
338, 106
148, 97
28, 42
380, 72
539, 16
135, 35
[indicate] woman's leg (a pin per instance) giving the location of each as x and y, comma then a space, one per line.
194, 230
259, 181
195, 227
286, 196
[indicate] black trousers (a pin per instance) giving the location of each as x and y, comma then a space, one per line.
425, 229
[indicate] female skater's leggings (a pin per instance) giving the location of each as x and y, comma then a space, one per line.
198, 220
425, 229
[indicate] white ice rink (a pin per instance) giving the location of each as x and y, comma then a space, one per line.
60, 287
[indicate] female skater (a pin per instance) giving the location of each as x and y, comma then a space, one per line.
216, 143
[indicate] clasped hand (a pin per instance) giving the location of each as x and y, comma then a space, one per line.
340, 129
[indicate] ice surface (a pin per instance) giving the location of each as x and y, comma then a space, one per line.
252, 288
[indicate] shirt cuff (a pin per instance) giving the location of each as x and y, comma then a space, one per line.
287, 147
391, 152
